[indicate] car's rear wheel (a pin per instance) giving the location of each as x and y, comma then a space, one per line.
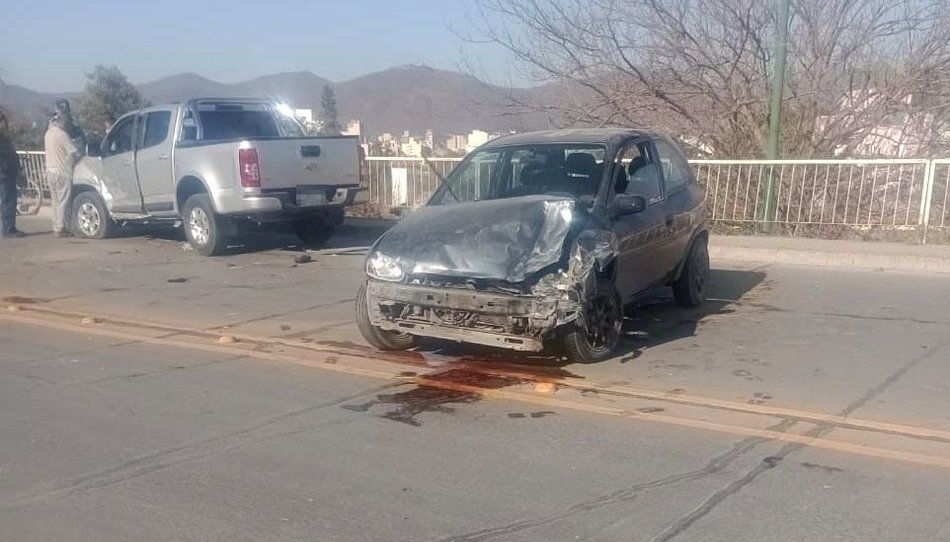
595, 335
690, 289
378, 338
313, 232
203, 227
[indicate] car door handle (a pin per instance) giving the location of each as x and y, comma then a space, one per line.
163, 157
670, 221
127, 163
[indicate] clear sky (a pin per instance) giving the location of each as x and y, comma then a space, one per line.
48, 45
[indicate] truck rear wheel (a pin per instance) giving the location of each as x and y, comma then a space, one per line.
378, 338
202, 226
313, 232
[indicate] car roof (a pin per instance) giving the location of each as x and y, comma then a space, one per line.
603, 136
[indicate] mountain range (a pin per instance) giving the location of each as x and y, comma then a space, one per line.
410, 97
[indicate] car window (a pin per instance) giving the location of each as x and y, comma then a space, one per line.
550, 169
156, 128
636, 173
473, 181
119, 139
676, 172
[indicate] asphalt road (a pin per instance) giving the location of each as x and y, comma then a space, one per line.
798, 404
108, 439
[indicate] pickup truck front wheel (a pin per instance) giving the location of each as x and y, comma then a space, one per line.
90, 219
203, 226
313, 232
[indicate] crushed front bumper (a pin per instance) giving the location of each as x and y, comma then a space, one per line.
517, 322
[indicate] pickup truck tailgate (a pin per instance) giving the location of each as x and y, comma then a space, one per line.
289, 163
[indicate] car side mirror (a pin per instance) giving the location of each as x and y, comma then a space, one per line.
626, 204
94, 147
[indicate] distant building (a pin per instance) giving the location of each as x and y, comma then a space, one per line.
430, 139
412, 147
476, 138
456, 143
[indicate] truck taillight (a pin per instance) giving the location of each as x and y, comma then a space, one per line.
250, 165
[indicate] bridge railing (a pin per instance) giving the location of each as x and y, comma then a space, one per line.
869, 199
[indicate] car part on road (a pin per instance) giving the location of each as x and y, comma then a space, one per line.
90, 218
202, 226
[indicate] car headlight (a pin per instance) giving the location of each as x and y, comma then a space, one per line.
382, 267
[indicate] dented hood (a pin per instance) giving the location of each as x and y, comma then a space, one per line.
505, 239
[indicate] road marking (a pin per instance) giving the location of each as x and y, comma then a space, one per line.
246, 348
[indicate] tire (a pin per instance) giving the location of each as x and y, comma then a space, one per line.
203, 228
378, 338
690, 289
313, 232
89, 218
594, 337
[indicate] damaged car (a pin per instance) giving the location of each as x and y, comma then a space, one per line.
541, 238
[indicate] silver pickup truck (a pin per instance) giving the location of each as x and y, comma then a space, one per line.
214, 165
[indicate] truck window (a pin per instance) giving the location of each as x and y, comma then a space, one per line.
156, 128
226, 121
119, 139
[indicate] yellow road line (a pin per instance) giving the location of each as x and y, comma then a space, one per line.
590, 407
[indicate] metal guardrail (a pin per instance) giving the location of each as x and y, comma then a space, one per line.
872, 199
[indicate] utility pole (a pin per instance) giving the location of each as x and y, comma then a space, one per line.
780, 52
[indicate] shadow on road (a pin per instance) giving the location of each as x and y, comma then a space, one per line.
354, 233
655, 320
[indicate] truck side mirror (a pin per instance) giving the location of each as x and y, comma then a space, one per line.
94, 147
626, 204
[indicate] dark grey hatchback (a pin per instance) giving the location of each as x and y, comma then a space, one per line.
541, 237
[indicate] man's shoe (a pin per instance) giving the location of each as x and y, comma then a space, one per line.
15, 234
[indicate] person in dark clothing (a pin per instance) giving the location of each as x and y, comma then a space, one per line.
9, 173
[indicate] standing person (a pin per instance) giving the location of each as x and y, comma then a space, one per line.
61, 156
9, 173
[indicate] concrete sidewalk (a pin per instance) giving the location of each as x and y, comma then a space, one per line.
874, 256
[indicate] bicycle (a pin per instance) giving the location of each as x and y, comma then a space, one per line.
29, 198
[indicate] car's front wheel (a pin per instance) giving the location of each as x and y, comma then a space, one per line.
378, 338
595, 335
90, 218
690, 289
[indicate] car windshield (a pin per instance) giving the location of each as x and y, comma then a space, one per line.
508, 172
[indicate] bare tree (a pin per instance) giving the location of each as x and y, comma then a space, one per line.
701, 69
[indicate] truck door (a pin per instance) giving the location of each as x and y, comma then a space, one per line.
153, 161
118, 167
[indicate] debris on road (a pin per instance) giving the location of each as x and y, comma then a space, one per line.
178, 280
302, 258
